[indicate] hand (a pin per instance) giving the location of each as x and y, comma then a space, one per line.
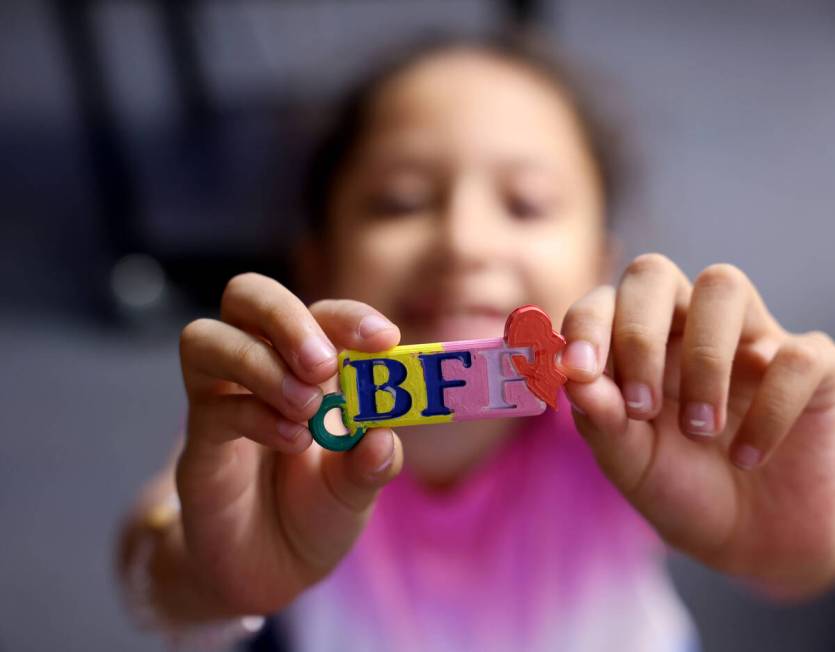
265, 514
715, 423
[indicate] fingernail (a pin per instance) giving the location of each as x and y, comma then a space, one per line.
373, 324
315, 352
699, 419
747, 457
290, 431
580, 355
299, 394
384, 466
638, 397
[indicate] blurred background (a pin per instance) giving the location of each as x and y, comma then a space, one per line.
151, 150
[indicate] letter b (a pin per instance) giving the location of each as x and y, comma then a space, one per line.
367, 389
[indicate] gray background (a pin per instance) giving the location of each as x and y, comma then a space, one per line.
732, 106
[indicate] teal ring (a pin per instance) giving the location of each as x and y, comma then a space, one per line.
320, 433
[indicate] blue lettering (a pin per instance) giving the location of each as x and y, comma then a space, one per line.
367, 389
436, 383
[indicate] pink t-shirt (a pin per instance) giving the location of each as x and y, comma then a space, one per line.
534, 550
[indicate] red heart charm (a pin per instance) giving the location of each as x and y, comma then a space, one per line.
531, 326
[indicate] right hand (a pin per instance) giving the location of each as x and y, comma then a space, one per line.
265, 514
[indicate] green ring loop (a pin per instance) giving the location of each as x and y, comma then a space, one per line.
320, 433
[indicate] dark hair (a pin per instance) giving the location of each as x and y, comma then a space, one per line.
347, 125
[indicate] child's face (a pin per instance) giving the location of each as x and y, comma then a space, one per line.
472, 193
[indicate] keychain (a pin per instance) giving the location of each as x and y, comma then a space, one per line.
511, 376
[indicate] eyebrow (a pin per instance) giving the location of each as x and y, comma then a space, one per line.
523, 164
386, 163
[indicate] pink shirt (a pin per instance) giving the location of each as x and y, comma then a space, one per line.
534, 550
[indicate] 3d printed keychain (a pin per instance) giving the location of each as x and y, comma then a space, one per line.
416, 384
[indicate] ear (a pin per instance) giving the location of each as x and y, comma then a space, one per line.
309, 264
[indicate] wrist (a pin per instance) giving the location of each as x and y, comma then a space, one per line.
164, 591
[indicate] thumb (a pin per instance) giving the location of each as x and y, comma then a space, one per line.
334, 496
354, 477
623, 447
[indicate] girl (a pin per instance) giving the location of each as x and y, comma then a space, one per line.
461, 182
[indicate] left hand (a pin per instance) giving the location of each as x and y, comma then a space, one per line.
716, 423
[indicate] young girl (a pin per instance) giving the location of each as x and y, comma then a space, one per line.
464, 181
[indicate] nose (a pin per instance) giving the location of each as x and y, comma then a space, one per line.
470, 232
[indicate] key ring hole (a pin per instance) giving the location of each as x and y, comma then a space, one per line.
328, 427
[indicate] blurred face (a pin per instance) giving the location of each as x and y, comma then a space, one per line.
472, 193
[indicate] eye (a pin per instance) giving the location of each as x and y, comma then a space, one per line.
525, 208
390, 204
400, 199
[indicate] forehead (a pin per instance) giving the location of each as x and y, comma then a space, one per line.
475, 101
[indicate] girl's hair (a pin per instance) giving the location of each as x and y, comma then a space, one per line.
346, 128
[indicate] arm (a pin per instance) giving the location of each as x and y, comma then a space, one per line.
264, 513
716, 423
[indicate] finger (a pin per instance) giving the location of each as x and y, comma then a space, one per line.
233, 416
355, 325
790, 381
214, 470
724, 308
261, 305
213, 351
651, 303
587, 328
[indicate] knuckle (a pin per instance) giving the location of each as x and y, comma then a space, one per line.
651, 263
276, 318
193, 333
319, 304
579, 325
820, 338
235, 287
799, 356
248, 354
825, 345
248, 282
323, 307
240, 281
602, 298
581, 319
340, 308
709, 359
723, 277
589, 310
636, 338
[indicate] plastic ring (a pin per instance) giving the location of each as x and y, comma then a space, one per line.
320, 433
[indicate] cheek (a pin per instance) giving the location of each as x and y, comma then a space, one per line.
561, 267
376, 262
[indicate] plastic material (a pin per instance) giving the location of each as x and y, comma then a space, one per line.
439, 382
